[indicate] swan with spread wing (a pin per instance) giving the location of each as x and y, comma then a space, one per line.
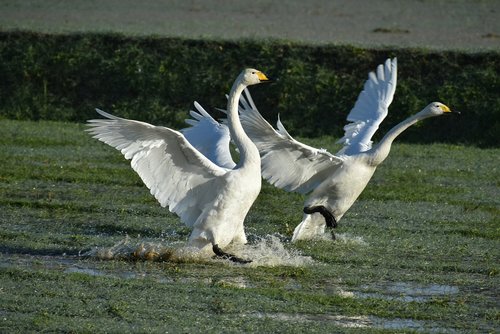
213, 199
332, 181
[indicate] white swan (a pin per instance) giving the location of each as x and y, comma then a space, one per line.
333, 182
213, 200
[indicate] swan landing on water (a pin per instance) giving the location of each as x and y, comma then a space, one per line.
332, 181
213, 200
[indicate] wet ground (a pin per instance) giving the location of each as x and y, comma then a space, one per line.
403, 291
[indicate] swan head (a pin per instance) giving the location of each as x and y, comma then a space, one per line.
437, 109
252, 76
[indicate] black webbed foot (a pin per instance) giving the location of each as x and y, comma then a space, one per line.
223, 255
330, 220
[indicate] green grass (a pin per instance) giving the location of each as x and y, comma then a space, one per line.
419, 251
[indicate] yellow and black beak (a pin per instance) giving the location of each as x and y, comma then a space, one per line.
262, 77
447, 110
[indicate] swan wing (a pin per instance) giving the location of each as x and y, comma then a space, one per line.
286, 162
209, 137
177, 175
370, 109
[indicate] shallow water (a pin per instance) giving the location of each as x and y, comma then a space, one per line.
270, 251
273, 252
339, 320
406, 291
359, 322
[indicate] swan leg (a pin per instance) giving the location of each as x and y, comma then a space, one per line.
223, 255
330, 220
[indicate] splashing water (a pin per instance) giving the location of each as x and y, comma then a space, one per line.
347, 238
128, 249
343, 238
268, 251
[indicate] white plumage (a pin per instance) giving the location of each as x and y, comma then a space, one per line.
211, 199
209, 137
370, 109
332, 182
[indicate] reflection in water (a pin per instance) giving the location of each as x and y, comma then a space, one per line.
358, 321
406, 291
338, 320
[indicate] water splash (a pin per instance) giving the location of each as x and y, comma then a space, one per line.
271, 251
342, 238
268, 251
349, 239
135, 250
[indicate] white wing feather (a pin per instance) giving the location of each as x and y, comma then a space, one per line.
370, 109
286, 163
177, 175
209, 137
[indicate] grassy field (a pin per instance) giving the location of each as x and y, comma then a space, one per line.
458, 24
419, 251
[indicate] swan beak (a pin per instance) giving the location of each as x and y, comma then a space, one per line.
262, 77
447, 110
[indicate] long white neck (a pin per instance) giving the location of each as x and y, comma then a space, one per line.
381, 151
248, 150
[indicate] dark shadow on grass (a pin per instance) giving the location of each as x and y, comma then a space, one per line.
13, 250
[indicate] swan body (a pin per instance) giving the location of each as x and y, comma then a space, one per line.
211, 199
333, 182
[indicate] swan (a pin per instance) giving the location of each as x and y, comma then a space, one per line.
211, 199
332, 181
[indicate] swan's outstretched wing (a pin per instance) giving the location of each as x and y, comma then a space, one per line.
370, 109
286, 163
177, 174
209, 137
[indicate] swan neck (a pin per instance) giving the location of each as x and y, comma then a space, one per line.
248, 150
381, 151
